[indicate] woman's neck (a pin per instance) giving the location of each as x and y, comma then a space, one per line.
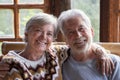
32, 54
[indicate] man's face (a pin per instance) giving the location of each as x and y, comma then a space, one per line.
78, 34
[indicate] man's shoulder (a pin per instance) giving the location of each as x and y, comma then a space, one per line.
114, 57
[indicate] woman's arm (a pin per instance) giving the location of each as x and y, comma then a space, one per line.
4, 68
13, 75
104, 63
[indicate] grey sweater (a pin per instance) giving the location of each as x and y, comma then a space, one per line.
73, 70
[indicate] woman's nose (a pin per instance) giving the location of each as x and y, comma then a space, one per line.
44, 36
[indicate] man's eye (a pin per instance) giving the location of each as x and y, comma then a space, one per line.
50, 34
71, 32
81, 29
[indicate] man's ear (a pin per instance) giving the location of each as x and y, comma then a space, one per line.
92, 31
65, 39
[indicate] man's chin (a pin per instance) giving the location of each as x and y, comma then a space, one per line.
80, 46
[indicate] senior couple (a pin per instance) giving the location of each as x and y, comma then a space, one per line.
79, 59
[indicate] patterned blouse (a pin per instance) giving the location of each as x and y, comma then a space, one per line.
46, 68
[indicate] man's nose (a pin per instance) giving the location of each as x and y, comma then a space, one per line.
78, 34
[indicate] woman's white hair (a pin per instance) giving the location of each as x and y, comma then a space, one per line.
42, 19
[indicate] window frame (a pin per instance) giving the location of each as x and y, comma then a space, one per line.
109, 18
15, 7
109, 21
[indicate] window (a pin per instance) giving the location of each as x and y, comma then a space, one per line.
92, 9
15, 13
104, 15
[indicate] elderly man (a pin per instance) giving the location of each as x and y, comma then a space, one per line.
80, 62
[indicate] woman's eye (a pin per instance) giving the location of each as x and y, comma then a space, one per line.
37, 30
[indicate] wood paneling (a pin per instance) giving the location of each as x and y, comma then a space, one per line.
57, 6
109, 21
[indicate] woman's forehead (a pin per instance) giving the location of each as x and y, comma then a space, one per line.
47, 27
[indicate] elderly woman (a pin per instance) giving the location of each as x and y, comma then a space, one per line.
34, 62
39, 60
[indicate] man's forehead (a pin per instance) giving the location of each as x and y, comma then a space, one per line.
74, 21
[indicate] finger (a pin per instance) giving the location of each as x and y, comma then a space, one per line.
98, 65
110, 69
112, 66
107, 67
103, 66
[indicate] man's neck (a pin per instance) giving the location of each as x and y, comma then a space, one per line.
83, 56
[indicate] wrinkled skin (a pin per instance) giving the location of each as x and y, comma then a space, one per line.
104, 64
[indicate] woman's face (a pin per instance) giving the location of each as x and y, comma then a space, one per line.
40, 37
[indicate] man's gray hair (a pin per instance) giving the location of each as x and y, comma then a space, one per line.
66, 15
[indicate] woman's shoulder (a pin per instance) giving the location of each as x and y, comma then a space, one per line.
12, 56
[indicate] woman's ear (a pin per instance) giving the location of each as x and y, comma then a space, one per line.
26, 36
